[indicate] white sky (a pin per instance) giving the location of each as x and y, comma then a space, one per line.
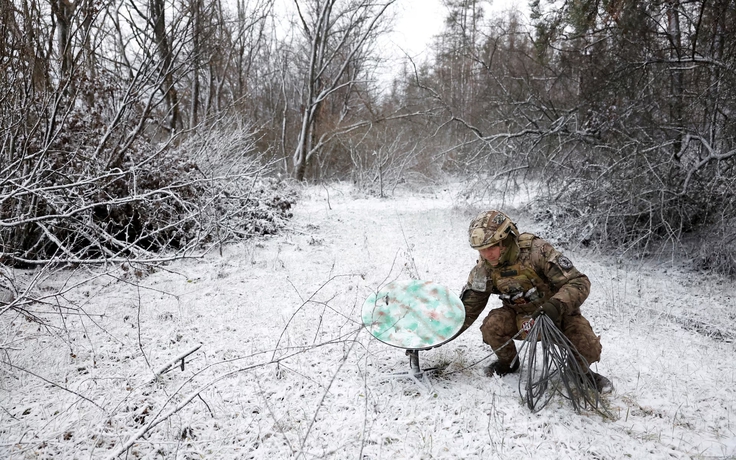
418, 21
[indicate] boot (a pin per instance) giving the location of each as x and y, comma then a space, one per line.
600, 383
502, 369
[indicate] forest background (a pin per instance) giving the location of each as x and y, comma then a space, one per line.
130, 127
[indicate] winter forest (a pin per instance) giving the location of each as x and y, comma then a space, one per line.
156, 155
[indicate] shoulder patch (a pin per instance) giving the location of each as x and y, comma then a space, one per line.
564, 262
478, 279
525, 240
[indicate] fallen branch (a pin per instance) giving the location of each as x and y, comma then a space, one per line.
158, 419
173, 362
137, 435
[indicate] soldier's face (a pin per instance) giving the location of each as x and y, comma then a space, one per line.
491, 254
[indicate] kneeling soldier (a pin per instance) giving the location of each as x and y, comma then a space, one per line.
531, 278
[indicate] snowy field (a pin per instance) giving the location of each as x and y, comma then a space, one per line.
285, 369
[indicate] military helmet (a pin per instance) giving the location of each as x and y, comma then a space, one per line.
490, 228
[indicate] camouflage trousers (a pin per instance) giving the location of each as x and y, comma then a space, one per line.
500, 326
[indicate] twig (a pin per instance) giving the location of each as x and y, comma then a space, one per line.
324, 395
173, 362
138, 317
293, 315
157, 420
55, 385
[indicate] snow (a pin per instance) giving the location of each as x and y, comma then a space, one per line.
286, 370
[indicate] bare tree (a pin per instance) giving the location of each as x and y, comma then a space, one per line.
338, 35
162, 41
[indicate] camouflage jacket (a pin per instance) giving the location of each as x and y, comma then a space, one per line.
537, 274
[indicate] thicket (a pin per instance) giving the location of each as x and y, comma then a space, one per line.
99, 164
653, 167
620, 113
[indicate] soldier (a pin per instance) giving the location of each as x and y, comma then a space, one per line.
531, 278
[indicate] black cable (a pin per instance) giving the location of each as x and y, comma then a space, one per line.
560, 371
493, 352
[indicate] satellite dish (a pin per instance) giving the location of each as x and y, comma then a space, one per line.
414, 315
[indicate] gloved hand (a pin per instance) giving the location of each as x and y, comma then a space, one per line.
549, 309
529, 307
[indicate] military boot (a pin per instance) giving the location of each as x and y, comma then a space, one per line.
600, 383
502, 368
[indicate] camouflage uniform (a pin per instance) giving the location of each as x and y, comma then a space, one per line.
533, 273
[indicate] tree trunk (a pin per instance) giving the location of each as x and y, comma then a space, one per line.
676, 82
196, 30
64, 11
158, 19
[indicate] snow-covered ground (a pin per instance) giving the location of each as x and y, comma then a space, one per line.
285, 369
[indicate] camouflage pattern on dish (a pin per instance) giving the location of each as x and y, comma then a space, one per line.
413, 314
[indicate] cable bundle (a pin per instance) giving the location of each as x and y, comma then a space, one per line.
559, 371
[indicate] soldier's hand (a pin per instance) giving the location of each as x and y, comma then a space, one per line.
549, 309
529, 307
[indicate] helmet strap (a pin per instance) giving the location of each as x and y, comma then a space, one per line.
510, 251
